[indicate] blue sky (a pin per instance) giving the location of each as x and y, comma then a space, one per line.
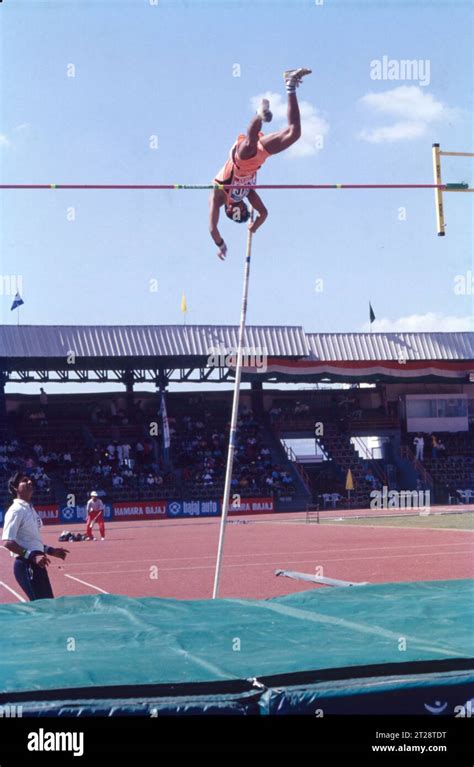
168, 70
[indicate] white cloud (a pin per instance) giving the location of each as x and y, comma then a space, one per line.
4, 140
314, 127
396, 132
415, 109
409, 102
431, 322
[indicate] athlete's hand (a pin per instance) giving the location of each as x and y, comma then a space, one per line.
38, 558
257, 223
222, 252
60, 553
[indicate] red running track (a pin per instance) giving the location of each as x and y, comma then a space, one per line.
183, 552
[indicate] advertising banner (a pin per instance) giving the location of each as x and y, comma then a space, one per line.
49, 513
251, 505
193, 508
71, 514
128, 510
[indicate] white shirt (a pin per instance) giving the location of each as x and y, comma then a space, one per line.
94, 505
22, 525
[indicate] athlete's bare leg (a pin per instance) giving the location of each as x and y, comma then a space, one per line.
281, 140
248, 148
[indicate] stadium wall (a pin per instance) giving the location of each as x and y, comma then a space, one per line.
55, 514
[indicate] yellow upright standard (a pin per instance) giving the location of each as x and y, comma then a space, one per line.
438, 192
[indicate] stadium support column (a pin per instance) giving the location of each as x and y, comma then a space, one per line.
160, 450
256, 394
128, 380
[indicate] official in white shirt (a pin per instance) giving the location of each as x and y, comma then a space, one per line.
22, 537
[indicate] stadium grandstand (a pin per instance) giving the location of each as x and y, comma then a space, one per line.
362, 401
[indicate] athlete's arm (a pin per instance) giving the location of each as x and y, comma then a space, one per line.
256, 202
215, 203
37, 557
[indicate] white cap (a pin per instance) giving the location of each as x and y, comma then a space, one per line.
94, 494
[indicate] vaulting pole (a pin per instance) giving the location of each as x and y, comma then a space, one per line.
233, 421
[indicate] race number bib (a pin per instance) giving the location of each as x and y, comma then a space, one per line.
241, 191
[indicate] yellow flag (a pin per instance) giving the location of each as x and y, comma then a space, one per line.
349, 480
184, 306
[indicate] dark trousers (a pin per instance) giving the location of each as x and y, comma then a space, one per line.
33, 580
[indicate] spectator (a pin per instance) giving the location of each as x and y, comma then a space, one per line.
301, 408
274, 413
38, 449
419, 443
369, 477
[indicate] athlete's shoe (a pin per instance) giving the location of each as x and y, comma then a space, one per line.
264, 111
294, 76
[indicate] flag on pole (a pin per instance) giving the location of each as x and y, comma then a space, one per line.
184, 306
17, 301
371, 313
349, 480
166, 430
349, 485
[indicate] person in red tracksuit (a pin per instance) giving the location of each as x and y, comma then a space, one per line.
95, 513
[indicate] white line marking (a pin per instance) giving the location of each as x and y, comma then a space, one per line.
275, 562
18, 596
398, 527
86, 584
315, 551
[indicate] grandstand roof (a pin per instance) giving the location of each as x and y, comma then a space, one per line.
146, 340
390, 346
100, 341
167, 353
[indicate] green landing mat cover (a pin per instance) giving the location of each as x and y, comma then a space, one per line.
106, 640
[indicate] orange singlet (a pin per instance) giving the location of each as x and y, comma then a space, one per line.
241, 172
